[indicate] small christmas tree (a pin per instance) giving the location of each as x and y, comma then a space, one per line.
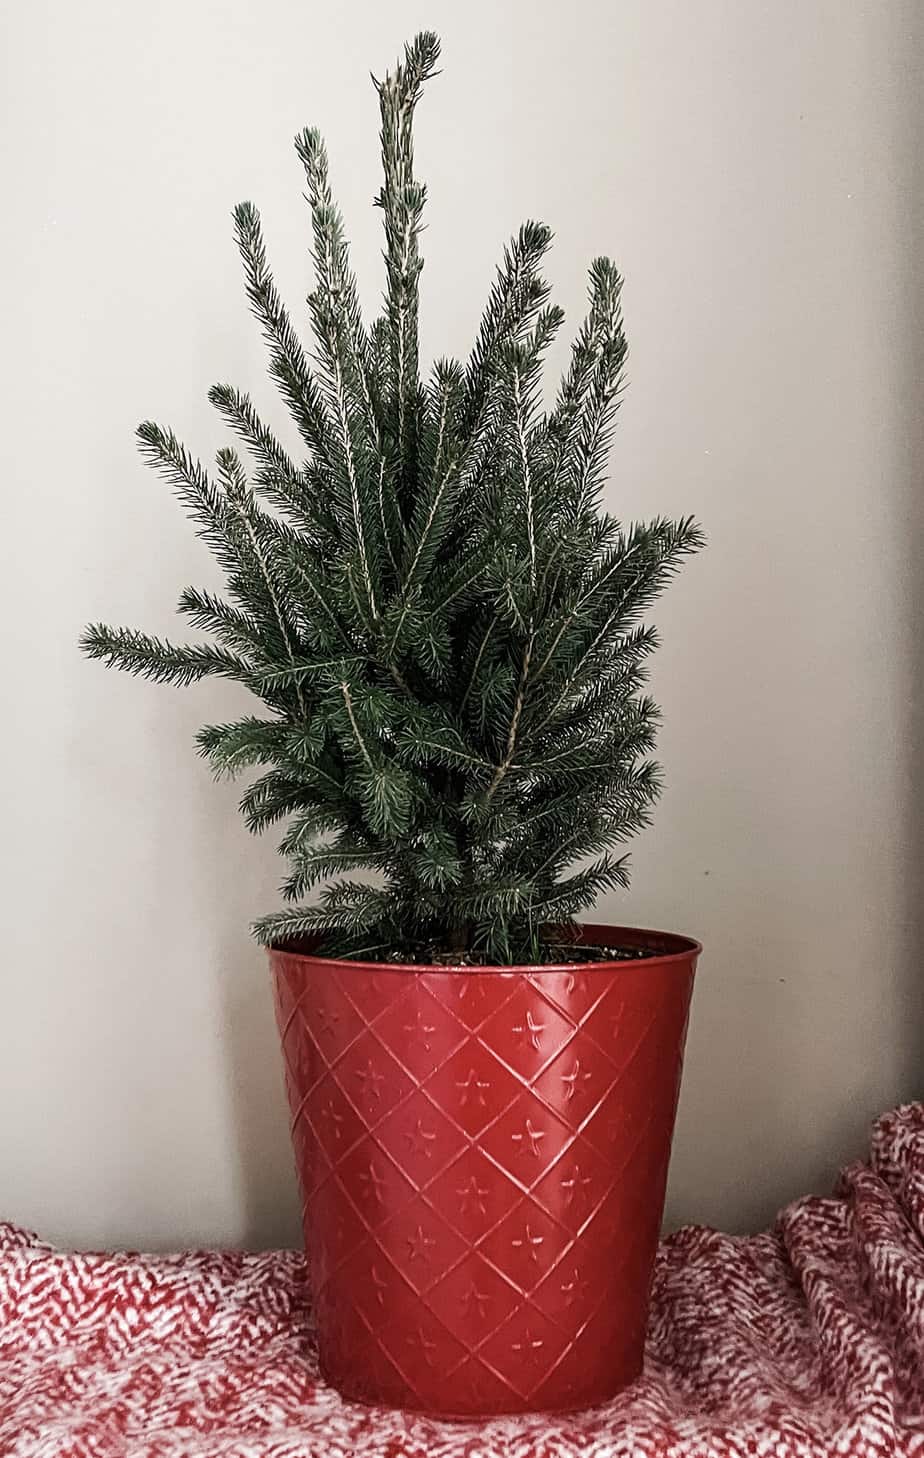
443, 626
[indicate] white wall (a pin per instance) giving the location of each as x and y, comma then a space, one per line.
750, 166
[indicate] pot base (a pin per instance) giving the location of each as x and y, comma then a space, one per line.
354, 1388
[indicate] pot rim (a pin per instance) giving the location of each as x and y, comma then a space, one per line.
669, 947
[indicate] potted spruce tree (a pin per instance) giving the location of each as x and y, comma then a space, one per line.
445, 632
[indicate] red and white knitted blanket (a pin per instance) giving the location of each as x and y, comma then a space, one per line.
803, 1342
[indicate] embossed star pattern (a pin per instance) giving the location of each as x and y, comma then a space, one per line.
420, 1140
529, 1140
530, 1030
575, 1288
418, 1028
371, 1077
333, 1116
419, 1339
380, 1285
475, 1300
472, 1195
372, 1180
572, 1079
418, 1244
327, 1019
529, 1243
529, 1345
472, 1089
574, 1184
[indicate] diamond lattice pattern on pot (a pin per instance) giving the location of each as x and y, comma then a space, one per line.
475, 1151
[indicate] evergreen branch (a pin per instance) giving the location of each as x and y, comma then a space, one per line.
347, 357
348, 703
301, 668
384, 527
618, 564
367, 626
477, 664
336, 280
625, 742
517, 295
237, 630
444, 480
402, 200
443, 472
569, 895
447, 754
232, 476
317, 865
202, 500
586, 412
606, 285
672, 541
237, 409
306, 824
278, 478
336, 621
271, 798
519, 702
619, 799
288, 364
327, 334
159, 660
462, 581
357, 907
520, 427
235, 747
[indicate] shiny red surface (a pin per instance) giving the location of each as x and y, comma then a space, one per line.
482, 1156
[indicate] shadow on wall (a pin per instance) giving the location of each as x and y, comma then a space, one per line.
268, 1200
234, 1155
913, 227
267, 1203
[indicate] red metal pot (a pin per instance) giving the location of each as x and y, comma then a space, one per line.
482, 1156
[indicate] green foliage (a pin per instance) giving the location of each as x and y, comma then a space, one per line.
443, 625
